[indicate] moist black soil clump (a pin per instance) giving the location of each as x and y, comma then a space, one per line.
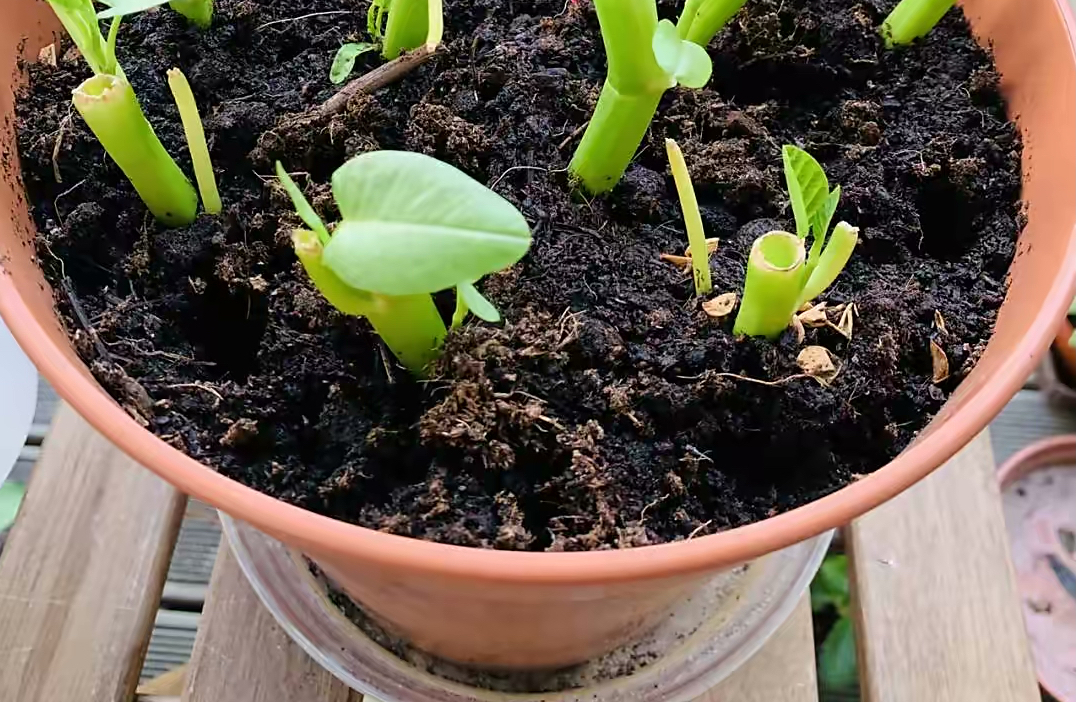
609, 410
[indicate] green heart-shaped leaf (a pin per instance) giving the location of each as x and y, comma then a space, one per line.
412, 224
685, 62
344, 61
808, 187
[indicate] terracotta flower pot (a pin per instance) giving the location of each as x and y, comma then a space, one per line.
542, 609
1038, 487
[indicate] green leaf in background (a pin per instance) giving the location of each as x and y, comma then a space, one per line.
684, 61
837, 659
344, 61
830, 585
808, 188
413, 224
10, 498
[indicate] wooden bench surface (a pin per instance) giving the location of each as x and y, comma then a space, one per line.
936, 609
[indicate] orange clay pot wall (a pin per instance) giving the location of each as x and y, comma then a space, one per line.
543, 609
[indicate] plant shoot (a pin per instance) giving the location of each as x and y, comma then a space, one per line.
781, 275
403, 25
696, 235
198, 12
701, 20
912, 19
192, 127
410, 226
645, 58
108, 105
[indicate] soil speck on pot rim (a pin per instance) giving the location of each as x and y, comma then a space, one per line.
604, 412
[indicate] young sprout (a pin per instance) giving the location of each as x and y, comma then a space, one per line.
781, 276
411, 226
696, 235
108, 105
701, 20
192, 127
912, 19
199, 12
645, 58
410, 24
344, 61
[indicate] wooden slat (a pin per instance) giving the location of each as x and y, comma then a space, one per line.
83, 570
937, 611
783, 671
241, 655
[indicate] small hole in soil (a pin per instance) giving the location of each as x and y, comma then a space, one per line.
227, 328
945, 217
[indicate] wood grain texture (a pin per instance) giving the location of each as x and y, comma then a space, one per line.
937, 611
241, 655
783, 671
82, 572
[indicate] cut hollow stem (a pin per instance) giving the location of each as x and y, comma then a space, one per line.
775, 277
111, 110
701, 20
192, 126
199, 12
912, 19
410, 325
407, 27
689, 204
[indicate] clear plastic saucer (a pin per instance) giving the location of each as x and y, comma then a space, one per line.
726, 623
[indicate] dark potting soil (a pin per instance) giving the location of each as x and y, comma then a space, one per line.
608, 410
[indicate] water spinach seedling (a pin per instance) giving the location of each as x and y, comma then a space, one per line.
108, 105
701, 20
781, 276
645, 57
402, 25
199, 12
410, 226
192, 127
344, 61
689, 204
912, 19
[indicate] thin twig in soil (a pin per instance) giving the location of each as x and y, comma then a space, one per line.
57, 146
698, 529
199, 386
525, 168
83, 320
302, 17
56, 201
568, 139
376, 79
736, 376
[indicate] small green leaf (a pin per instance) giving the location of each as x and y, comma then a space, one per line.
302, 206
10, 498
412, 224
837, 658
477, 303
118, 8
684, 61
808, 187
830, 586
344, 62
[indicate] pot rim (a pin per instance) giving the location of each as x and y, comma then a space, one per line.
329, 537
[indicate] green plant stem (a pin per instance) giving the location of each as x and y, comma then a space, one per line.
192, 126
831, 262
775, 277
912, 19
689, 204
633, 88
609, 143
407, 27
111, 110
410, 325
199, 12
459, 316
701, 20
